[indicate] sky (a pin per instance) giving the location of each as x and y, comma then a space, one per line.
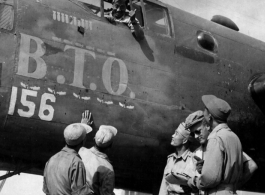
249, 16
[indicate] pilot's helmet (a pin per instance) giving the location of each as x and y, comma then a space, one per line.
104, 136
75, 133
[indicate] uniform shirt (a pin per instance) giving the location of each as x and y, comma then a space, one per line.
125, 19
223, 160
199, 152
64, 174
99, 171
183, 164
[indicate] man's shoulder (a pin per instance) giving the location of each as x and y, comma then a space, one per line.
86, 154
222, 130
171, 155
84, 149
226, 133
106, 162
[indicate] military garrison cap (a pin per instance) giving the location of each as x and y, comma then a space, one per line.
219, 108
104, 135
194, 118
75, 133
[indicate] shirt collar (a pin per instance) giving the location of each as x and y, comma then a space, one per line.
218, 128
98, 153
184, 156
70, 150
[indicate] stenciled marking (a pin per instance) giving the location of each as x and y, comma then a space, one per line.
24, 85
51, 90
58, 92
12, 101
71, 20
79, 97
35, 88
106, 75
45, 107
85, 98
61, 93
102, 51
124, 106
105, 102
25, 56
76, 95
46, 112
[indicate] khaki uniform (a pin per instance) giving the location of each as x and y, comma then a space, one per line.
99, 171
223, 162
65, 174
199, 152
178, 165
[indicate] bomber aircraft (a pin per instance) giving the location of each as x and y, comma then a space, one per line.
61, 57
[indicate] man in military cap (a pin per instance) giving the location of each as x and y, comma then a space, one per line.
194, 123
223, 159
119, 14
99, 171
64, 173
179, 166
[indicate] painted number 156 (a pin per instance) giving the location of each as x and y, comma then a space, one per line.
46, 112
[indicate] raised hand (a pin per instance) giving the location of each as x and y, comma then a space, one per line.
87, 118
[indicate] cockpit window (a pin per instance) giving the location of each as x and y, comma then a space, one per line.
6, 14
157, 19
94, 6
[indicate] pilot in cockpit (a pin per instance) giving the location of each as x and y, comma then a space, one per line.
120, 14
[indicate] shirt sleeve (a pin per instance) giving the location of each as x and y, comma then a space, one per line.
108, 183
131, 23
163, 187
78, 179
212, 168
45, 188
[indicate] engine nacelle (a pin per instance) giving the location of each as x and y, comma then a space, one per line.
256, 89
